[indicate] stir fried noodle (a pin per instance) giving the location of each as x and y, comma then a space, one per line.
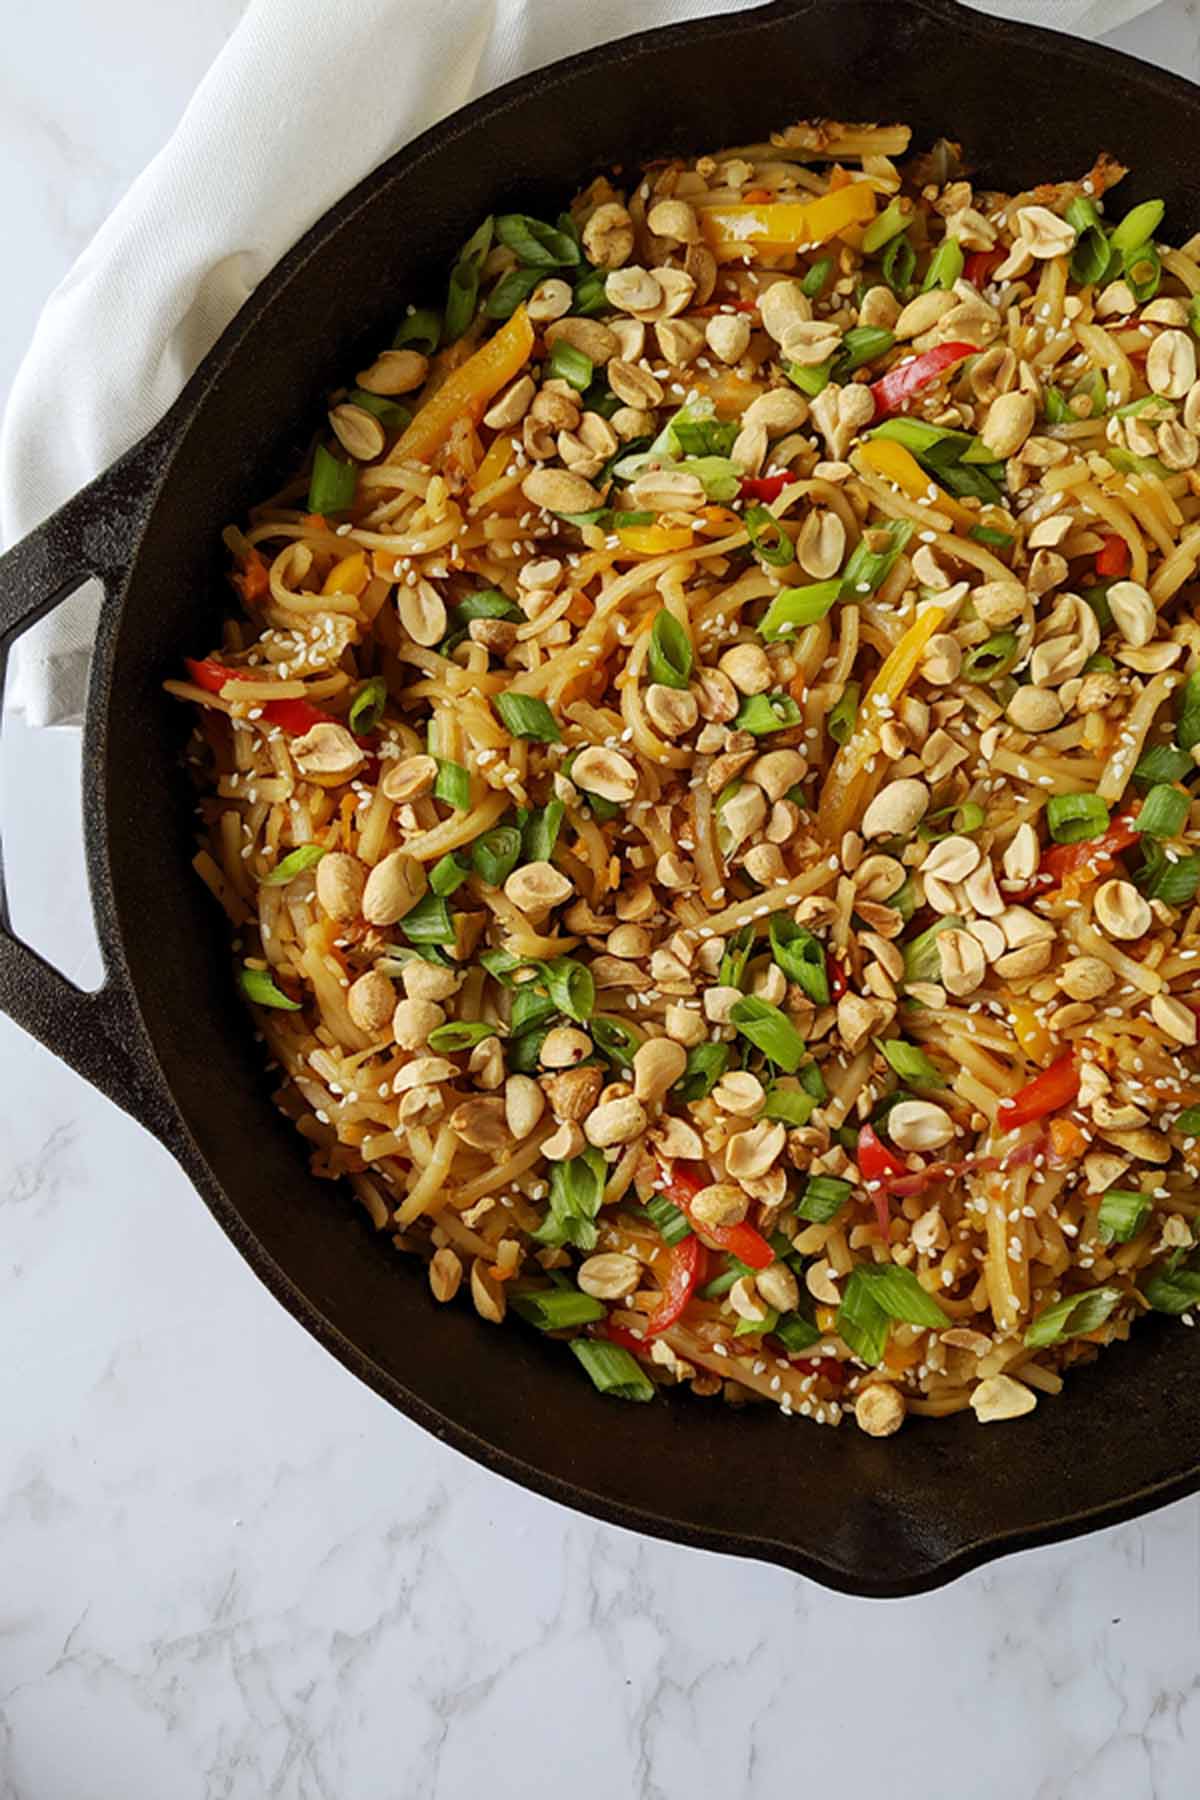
701, 779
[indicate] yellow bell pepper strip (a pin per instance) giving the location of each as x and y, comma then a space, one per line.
348, 576
785, 224
497, 458
899, 466
469, 389
655, 540
839, 806
1032, 1036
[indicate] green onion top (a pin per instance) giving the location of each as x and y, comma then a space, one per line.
527, 716
669, 658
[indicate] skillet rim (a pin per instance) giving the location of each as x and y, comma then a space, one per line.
151, 462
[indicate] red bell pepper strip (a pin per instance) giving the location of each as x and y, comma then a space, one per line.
628, 1340
743, 1241
838, 984
764, 487
827, 1367
1091, 857
685, 1271
1049, 1092
1112, 559
878, 1167
893, 391
980, 266
293, 716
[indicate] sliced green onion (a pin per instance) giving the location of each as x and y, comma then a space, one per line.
990, 660
447, 874
389, 412
898, 264
860, 345
886, 225
793, 608
962, 821
1143, 272
420, 329
591, 295
453, 784
1167, 877
770, 1031
812, 1081
768, 540
576, 1190
554, 1309
667, 1219
502, 965
986, 534
899, 1294
720, 478
669, 658
737, 955
704, 437
540, 832
910, 1063
510, 291
800, 955
904, 900
525, 1052
816, 278
1058, 411
841, 721
812, 379
537, 244
1091, 255
526, 716
332, 484
1129, 464
613, 1370
823, 1198
1164, 812
945, 266
867, 569
1194, 315
796, 1333
1187, 732
760, 714
295, 863
757, 1327
571, 986
1162, 762
1189, 1121
258, 986
1099, 665
921, 961
1139, 225
463, 296
488, 603
615, 1039
496, 854
721, 1284
428, 922
1175, 1292
570, 365
790, 1104
862, 1323
706, 1063
1072, 818
530, 1007
1122, 1214
366, 708
1072, 1316
461, 1034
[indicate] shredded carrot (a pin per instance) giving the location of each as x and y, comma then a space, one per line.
1067, 1142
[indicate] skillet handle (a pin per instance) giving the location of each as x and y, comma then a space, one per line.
94, 534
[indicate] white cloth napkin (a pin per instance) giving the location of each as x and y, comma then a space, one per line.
263, 149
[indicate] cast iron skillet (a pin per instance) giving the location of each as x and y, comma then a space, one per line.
165, 1037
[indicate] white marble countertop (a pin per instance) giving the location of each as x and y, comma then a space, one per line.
227, 1570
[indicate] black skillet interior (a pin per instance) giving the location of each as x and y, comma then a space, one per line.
871, 1518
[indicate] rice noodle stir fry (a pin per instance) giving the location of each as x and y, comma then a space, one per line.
701, 779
